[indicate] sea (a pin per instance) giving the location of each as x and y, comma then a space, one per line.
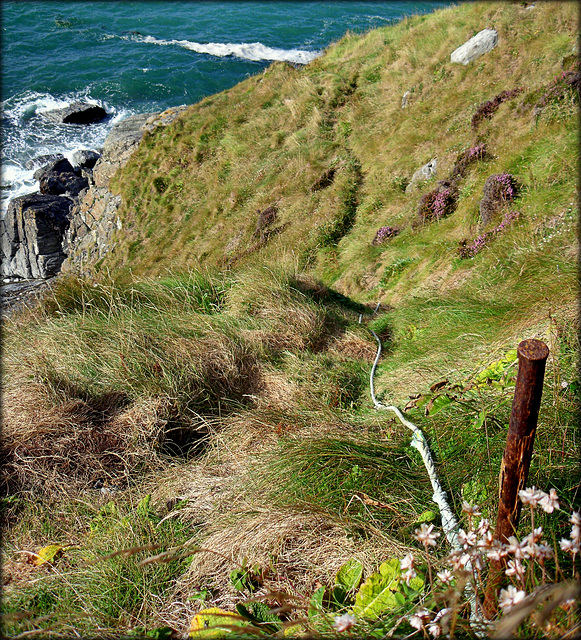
139, 57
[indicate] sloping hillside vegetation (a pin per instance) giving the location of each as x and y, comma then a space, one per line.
203, 391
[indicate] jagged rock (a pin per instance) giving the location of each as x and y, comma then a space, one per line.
85, 158
119, 145
477, 46
405, 98
423, 173
31, 235
66, 183
61, 165
42, 161
77, 113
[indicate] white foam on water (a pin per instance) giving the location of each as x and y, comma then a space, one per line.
255, 51
27, 135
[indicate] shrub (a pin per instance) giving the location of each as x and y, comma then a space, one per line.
383, 234
567, 82
498, 190
439, 203
467, 158
487, 109
470, 250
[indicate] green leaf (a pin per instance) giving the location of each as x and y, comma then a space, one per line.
259, 614
377, 594
214, 623
316, 602
376, 597
426, 516
480, 419
48, 554
349, 575
143, 506
436, 404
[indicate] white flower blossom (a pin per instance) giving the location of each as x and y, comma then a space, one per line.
550, 501
426, 535
483, 527
466, 539
419, 618
516, 548
486, 541
569, 546
531, 496
576, 533
575, 518
496, 552
344, 622
407, 562
510, 597
515, 568
445, 576
471, 510
534, 536
541, 552
458, 560
409, 575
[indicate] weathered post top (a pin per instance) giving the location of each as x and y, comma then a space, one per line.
533, 349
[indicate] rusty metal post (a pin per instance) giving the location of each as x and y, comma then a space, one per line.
516, 461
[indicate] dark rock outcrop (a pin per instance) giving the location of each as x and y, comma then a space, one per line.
66, 183
31, 235
61, 165
77, 113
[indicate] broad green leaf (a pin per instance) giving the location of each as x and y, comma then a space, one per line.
214, 623
436, 404
375, 597
259, 613
48, 554
349, 575
390, 569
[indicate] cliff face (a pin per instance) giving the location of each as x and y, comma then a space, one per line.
95, 217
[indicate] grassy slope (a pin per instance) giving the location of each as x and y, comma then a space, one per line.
245, 393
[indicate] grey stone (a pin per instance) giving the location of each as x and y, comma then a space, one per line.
405, 98
85, 158
77, 113
481, 43
423, 173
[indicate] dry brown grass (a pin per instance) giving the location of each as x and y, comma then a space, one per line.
64, 448
297, 550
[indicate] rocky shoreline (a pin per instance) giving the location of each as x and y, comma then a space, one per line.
70, 221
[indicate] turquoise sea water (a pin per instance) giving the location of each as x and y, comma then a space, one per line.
135, 57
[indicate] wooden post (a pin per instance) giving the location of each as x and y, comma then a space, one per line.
516, 461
